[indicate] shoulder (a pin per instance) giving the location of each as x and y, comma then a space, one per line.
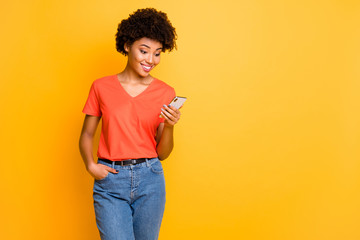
103, 80
164, 85
103, 83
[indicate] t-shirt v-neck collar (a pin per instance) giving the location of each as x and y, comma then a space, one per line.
126, 93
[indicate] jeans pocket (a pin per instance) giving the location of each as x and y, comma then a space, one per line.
102, 179
156, 167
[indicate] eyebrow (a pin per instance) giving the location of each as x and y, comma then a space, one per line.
148, 46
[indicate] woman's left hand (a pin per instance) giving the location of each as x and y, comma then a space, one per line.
171, 115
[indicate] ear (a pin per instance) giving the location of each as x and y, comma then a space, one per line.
126, 47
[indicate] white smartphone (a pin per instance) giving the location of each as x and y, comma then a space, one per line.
178, 101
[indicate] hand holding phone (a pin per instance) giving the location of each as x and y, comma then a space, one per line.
177, 102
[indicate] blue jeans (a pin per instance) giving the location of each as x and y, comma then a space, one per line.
130, 204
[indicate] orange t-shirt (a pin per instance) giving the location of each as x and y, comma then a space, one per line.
129, 124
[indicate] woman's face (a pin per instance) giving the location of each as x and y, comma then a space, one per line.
143, 55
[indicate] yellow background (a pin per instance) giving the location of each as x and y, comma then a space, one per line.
268, 143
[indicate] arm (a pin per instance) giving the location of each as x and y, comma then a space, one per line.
86, 139
98, 171
165, 133
165, 141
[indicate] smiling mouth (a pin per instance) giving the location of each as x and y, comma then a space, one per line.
146, 68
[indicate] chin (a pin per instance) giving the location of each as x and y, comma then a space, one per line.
142, 74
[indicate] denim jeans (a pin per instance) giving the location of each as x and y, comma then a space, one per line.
130, 204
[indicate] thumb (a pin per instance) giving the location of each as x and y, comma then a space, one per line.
111, 170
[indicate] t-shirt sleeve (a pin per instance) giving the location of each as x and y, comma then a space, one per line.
92, 106
170, 97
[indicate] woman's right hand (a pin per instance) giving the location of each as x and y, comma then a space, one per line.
100, 171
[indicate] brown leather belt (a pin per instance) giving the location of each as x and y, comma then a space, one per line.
125, 162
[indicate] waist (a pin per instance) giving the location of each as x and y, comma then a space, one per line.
125, 162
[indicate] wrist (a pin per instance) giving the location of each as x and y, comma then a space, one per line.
90, 165
168, 126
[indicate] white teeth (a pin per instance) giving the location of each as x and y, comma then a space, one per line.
147, 68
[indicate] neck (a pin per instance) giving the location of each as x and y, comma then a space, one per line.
129, 75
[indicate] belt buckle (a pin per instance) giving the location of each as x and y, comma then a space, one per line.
132, 162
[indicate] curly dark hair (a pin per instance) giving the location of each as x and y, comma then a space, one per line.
147, 22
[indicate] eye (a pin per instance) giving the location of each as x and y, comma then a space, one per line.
142, 51
157, 54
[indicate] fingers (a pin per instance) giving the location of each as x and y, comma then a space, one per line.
174, 109
170, 113
111, 169
167, 118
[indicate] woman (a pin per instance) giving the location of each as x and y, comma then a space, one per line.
137, 132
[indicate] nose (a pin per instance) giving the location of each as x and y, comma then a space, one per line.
149, 59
